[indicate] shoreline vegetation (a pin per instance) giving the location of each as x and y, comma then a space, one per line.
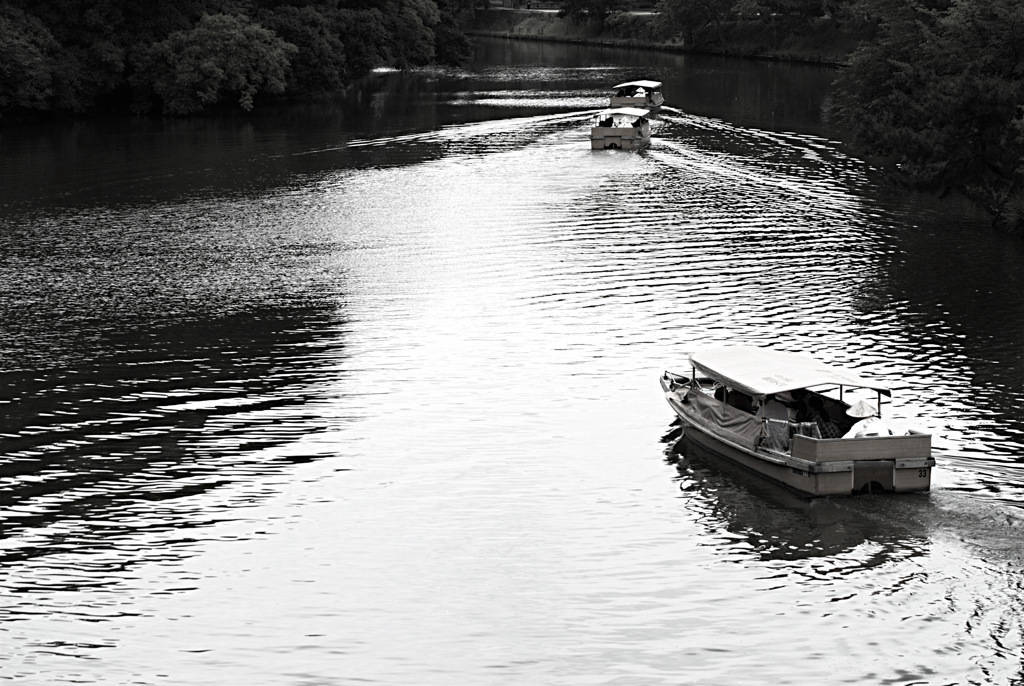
819, 40
188, 57
931, 89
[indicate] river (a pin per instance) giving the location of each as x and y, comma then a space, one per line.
367, 392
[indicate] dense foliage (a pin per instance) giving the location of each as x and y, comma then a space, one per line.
183, 56
597, 10
935, 90
940, 97
701, 21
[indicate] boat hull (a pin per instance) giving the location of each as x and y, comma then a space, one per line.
816, 467
618, 138
802, 481
652, 103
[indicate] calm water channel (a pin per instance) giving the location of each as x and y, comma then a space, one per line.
367, 393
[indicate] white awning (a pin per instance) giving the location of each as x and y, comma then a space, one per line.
650, 85
760, 371
626, 111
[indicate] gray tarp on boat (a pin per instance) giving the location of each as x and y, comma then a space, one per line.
759, 371
736, 425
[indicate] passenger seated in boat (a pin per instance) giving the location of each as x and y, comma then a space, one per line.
741, 401
815, 408
606, 123
773, 409
870, 423
638, 123
801, 412
836, 411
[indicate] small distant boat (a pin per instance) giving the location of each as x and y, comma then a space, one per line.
776, 414
643, 94
622, 128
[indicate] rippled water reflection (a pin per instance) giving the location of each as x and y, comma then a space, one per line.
376, 400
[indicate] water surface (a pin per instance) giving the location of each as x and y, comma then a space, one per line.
366, 392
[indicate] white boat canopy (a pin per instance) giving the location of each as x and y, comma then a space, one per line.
625, 111
759, 371
649, 85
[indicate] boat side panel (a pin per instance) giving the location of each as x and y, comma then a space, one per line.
803, 482
916, 445
912, 479
834, 483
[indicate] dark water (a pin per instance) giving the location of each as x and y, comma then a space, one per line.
366, 392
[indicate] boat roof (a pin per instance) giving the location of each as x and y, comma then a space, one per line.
643, 84
760, 371
628, 111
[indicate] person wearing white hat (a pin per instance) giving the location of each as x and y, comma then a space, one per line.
870, 424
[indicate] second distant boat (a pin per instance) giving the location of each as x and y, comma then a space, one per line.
642, 94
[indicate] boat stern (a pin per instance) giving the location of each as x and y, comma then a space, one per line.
602, 138
900, 464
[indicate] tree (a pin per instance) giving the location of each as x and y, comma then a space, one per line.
597, 10
96, 37
803, 8
319, 66
938, 97
411, 24
450, 44
222, 56
84, 55
28, 53
691, 17
400, 33
366, 37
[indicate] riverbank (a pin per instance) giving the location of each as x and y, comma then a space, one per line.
822, 40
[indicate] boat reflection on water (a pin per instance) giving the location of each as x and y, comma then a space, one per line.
775, 523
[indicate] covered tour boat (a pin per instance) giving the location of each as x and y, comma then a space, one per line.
622, 128
644, 94
784, 416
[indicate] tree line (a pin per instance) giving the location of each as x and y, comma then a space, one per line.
938, 96
183, 56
